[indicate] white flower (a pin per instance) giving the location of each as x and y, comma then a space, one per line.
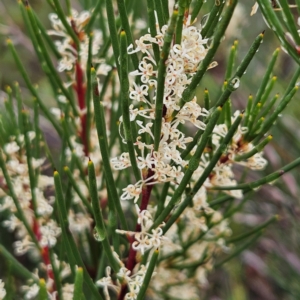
43, 207
31, 291
7, 203
103, 69
256, 162
16, 166
196, 223
66, 63
79, 222
13, 223
132, 295
63, 267
70, 55
50, 231
134, 282
254, 9
223, 176
144, 240
146, 71
122, 162
191, 111
2, 290
31, 135
11, 148
139, 93
56, 112
146, 128
132, 191
156, 237
106, 283
68, 291
45, 181
124, 274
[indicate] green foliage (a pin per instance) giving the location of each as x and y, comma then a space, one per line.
147, 179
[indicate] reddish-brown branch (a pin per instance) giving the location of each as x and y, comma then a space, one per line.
80, 91
44, 253
131, 261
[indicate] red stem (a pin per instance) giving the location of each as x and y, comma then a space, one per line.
80, 90
131, 261
44, 253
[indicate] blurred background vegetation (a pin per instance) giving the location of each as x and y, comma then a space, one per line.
270, 269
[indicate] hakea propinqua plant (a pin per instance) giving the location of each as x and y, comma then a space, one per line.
138, 203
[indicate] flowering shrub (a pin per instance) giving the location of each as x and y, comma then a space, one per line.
138, 202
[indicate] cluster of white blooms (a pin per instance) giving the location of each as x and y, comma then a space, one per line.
167, 165
31, 290
207, 229
181, 65
200, 220
45, 228
134, 282
222, 174
143, 239
176, 284
107, 283
66, 46
42, 223
238, 146
74, 62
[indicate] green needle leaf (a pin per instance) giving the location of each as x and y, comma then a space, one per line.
148, 275
102, 138
161, 79
78, 284
125, 105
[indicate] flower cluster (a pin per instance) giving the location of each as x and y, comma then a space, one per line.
179, 163
124, 277
143, 239
31, 290
166, 164
198, 235
40, 218
201, 222
223, 174
66, 46
45, 228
